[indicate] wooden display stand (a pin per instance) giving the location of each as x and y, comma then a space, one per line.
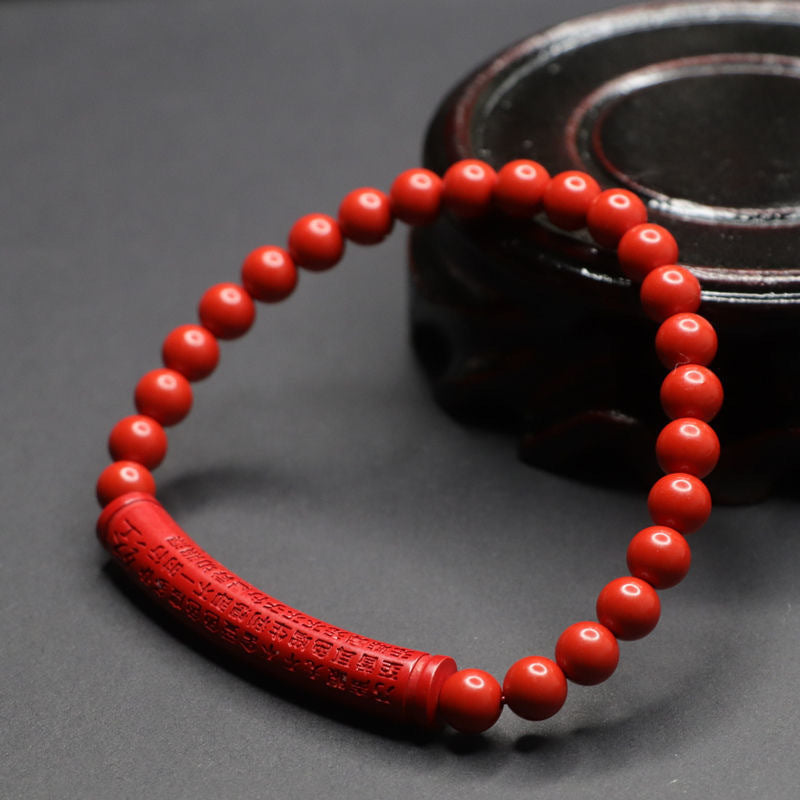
696, 107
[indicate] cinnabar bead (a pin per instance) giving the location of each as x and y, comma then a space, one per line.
416, 196
686, 339
688, 445
122, 477
587, 652
691, 390
164, 395
680, 501
669, 290
138, 438
612, 213
567, 198
644, 248
629, 608
660, 556
269, 274
520, 186
227, 310
535, 688
365, 216
470, 701
467, 188
191, 350
316, 242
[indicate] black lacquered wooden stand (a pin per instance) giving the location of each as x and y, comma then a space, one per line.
696, 107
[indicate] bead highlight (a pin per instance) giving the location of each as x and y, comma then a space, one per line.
470, 701
535, 688
587, 652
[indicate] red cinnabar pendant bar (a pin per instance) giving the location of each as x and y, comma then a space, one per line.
343, 667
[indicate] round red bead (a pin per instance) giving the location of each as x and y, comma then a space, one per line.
644, 248
468, 187
691, 390
680, 501
587, 652
612, 213
567, 198
164, 395
416, 196
686, 339
227, 310
191, 350
629, 608
660, 556
138, 438
470, 701
688, 445
365, 216
269, 274
535, 688
316, 242
669, 290
122, 477
520, 187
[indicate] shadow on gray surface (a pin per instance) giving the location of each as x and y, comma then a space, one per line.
703, 696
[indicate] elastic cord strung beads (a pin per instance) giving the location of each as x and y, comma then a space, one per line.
658, 557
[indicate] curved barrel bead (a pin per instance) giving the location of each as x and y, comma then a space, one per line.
335, 664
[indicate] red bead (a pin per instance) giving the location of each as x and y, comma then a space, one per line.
316, 242
567, 198
669, 290
660, 556
644, 248
688, 445
227, 310
470, 701
269, 274
686, 339
613, 213
691, 390
629, 608
191, 350
468, 187
365, 216
679, 501
122, 477
164, 395
140, 439
416, 196
587, 652
535, 688
519, 188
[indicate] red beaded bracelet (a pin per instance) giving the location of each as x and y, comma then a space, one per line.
403, 684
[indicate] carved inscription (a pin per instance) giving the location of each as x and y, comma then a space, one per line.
192, 583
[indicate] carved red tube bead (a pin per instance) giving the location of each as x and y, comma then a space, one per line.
334, 664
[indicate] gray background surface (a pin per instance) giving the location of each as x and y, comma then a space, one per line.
146, 147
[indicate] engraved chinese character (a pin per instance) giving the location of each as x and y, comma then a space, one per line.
367, 663
390, 669
343, 657
157, 553
239, 611
193, 609
299, 640
336, 679
229, 631
210, 621
278, 630
359, 687
321, 648
382, 693
222, 601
